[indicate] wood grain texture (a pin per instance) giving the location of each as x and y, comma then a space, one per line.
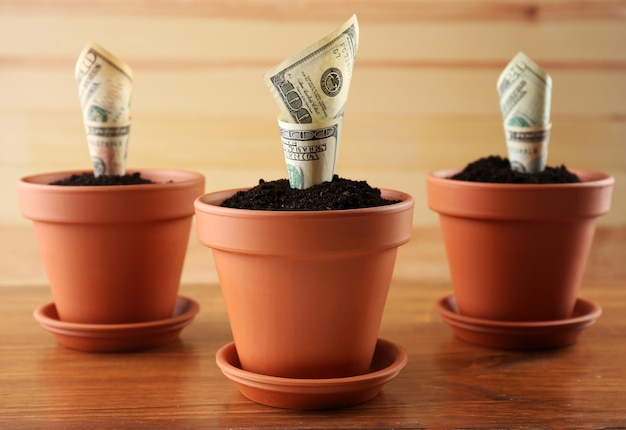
446, 383
423, 95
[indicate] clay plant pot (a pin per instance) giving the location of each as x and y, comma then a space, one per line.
112, 254
517, 252
304, 290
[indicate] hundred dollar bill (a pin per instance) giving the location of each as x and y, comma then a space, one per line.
310, 151
313, 85
525, 92
311, 89
104, 87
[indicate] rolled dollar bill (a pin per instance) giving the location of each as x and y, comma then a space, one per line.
311, 89
525, 92
310, 151
104, 87
527, 147
313, 85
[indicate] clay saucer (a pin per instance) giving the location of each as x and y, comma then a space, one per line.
521, 335
332, 393
117, 337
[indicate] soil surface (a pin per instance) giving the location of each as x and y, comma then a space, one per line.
498, 170
88, 179
338, 194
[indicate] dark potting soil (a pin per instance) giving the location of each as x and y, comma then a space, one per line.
498, 170
337, 194
88, 179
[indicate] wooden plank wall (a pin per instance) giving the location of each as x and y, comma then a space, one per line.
423, 94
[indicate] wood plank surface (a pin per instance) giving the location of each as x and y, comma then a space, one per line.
446, 384
423, 95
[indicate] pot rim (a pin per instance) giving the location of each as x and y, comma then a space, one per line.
169, 199
485, 200
266, 232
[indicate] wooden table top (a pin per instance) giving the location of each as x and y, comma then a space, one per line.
446, 383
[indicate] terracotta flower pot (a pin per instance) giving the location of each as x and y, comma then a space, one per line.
517, 252
305, 291
112, 254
